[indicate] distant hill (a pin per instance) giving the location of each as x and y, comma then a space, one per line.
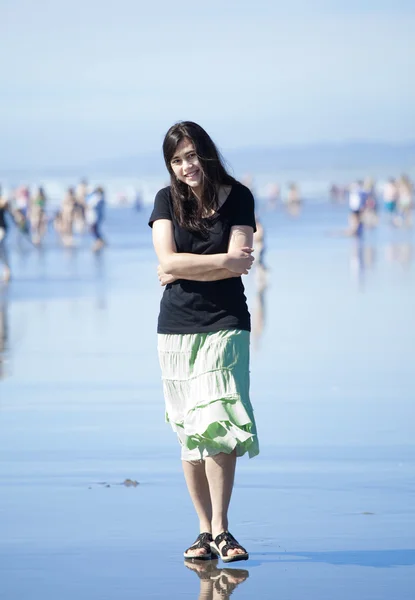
254, 159
323, 156
257, 159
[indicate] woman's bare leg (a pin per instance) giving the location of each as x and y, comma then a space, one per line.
197, 484
220, 473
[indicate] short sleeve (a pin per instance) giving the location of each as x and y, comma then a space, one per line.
162, 207
243, 208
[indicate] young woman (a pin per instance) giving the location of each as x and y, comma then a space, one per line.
203, 226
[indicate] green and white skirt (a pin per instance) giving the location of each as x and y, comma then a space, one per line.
206, 390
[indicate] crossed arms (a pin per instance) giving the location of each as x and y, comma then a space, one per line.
201, 267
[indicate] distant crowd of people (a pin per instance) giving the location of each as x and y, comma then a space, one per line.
291, 199
82, 209
363, 197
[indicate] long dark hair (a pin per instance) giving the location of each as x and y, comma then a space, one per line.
188, 209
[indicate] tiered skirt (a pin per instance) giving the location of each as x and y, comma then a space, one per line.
206, 390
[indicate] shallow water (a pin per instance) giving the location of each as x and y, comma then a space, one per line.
327, 508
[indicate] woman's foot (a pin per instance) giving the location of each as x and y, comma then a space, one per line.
227, 547
201, 549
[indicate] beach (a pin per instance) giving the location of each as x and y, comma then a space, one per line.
93, 503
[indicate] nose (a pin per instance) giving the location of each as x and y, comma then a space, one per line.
187, 164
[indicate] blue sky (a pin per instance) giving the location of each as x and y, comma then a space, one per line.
83, 80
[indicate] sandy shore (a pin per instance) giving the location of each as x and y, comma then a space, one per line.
327, 508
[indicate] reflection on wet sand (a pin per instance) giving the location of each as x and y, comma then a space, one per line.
81, 384
261, 283
4, 333
216, 584
362, 259
400, 252
258, 312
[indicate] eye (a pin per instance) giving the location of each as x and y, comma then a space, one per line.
175, 161
191, 154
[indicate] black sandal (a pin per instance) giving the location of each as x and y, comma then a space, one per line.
231, 544
203, 540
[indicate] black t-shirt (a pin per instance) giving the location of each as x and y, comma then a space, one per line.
205, 306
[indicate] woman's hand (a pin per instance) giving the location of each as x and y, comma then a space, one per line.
239, 260
164, 278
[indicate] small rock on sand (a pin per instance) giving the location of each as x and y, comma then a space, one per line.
130, 483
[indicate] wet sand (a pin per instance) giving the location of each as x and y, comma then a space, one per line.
327, 509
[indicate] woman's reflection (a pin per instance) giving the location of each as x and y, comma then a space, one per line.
216, 584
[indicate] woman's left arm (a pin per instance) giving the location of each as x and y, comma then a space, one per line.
241, 236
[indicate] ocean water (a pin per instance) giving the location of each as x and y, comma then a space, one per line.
326, 510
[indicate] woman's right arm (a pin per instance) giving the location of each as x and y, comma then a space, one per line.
187, 264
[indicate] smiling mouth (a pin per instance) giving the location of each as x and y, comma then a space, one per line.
193, 173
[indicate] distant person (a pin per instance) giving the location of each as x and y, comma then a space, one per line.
203, 226
138, 201
334, 193
67, 215
4, 261
122, 199
20, 211
94, 213
390, 198
81, 193
405, 200
343, 194
57, 222
293, 194
370, 204
38, 223
274, 196
356, 207
293, 200
22, 200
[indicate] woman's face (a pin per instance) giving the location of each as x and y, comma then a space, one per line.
186, 166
